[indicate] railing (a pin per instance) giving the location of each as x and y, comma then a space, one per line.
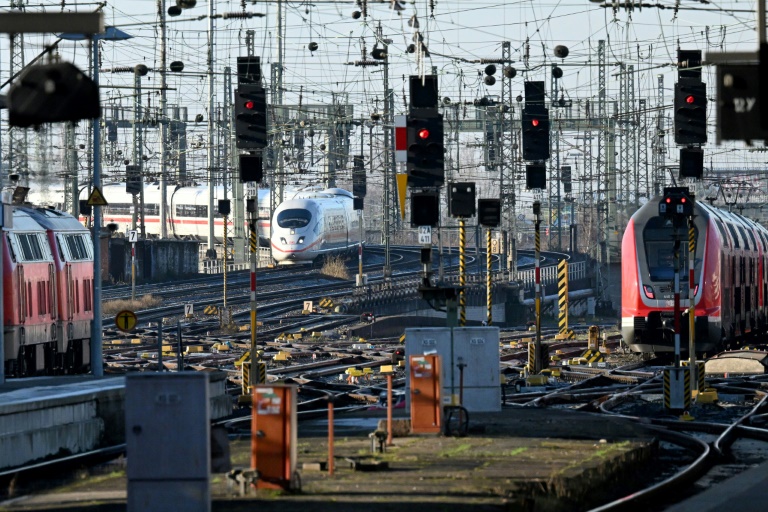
217, 266
576, 271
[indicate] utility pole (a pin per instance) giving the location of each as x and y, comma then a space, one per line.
390, 167
17, 137
70, 158
211, 253
163, 123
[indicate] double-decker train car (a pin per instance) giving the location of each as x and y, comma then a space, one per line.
730, 279
314, 224
35, 306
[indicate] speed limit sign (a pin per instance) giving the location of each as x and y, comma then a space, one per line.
189, 309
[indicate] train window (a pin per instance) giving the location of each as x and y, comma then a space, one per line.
659, 245
752, 237
719, 223
30, 246
734, 235
744, 237
191, 210
119, 209
76, 247
151, 209
293, 218
11, 246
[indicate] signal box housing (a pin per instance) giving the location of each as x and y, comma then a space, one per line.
461, 199
677, 201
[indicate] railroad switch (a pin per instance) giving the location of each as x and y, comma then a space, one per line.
243, 478
708, 396
378, 441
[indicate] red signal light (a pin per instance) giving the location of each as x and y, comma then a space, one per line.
250, 104
669, 200
535, 122
690, 99
682, 200
423, 133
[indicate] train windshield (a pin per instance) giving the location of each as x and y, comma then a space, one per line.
659, 249
293, 218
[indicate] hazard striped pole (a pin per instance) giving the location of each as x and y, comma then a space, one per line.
133, 271
462, 274
537, 256
676, 257
225, 261
562, 297
691, 306
254, 245
488, 278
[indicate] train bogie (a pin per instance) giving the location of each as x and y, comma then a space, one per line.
729, 280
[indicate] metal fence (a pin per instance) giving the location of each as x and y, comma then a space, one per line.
576, 271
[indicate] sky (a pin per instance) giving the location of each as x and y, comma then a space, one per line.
457, 33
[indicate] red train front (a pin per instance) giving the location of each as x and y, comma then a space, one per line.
729, 279
47, 291
72, 249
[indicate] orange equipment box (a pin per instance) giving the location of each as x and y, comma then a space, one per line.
426, 406
273, 435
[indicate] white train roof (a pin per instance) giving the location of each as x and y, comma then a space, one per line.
54, 219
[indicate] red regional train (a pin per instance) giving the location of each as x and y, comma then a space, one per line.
48, 293
730, 280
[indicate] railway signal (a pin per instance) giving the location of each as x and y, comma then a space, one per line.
690, 113
251, 168
425, 209
461, 199
251, 117
536, 134
426, 160
489, 212
677, 201
691, 163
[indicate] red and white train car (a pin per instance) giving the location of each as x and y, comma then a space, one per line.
73, 262
730, 279
314, 224
187, 214
47, 293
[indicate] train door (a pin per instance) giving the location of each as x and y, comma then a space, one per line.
22, 294
70, 293
51, 291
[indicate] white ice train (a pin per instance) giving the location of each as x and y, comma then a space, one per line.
314, 224
187, 213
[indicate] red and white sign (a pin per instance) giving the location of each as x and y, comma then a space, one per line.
401, 139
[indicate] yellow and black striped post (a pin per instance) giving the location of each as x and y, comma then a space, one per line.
462, 273
246, 383
677, 388
225, 260
692, 304
260, 374
539, 363
562, 300
488, 278
254, 246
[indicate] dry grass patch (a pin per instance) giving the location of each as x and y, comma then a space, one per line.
113, 307
335, 266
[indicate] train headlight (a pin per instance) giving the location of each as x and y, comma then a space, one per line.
649, 291
282, 241
301, 239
